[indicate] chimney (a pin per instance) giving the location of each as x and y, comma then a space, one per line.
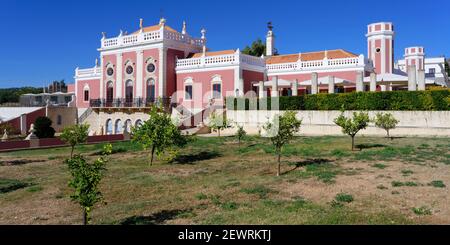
203, 31
183, 31
270, 40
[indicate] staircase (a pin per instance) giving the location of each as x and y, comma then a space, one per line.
196, 123
85, 115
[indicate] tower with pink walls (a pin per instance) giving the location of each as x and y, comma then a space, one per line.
415, 56
380, 46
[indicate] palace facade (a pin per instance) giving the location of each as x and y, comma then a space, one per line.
160, 62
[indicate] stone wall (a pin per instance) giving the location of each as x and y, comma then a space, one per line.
412, 123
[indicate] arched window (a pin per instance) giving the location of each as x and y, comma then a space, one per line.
59, 120
109, 92
151, 90
118, 127
109, 127
129, 92
86, 93
188, 83
216, 87
138, 123
128, 125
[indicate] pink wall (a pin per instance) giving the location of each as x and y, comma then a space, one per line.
249, 77
389, 65
106, 60
377, 57
171, 76
154, 54
94, 92
71, 88
202, 86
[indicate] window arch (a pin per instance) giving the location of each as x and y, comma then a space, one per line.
128, 125
150, 65
216, 87
138, 123
129, 92
188, 88
151, 92
109, 69
109, 127
118, 127
86, 93
109, 92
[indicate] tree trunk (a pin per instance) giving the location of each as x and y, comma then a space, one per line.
388, 135
353, 143
153, 153
279, 164
218, 132
85, 217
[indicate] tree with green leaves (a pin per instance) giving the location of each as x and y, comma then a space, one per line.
159, 133
43, 128
386, 121
74, 135
351, 126
281, 130
240, 134
258, 48
85, 181
218, 122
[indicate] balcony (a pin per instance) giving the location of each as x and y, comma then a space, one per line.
128, 103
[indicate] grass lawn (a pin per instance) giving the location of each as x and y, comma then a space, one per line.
213, 181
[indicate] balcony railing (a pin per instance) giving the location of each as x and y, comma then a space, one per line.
220, 60
128, 103
359, 61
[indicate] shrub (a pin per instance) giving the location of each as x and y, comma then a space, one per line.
43, 128
343, 197
437, 184
351, 126
430, 100
386, 121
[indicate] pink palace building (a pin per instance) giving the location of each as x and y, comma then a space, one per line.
160, 62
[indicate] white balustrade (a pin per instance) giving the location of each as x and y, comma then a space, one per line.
149, 37
219, 60
90, 72
318, 64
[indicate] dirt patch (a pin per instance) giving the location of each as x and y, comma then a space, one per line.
19, 162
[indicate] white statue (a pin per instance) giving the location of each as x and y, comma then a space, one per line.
5, 135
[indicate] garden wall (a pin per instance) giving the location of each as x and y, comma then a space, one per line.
412, 123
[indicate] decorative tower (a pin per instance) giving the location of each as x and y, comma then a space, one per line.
270, 40
415, 56
380, 46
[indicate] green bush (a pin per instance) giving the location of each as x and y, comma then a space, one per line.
430, 100
43, 128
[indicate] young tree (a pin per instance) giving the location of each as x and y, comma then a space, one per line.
218, 122
351, 126
281, 130
43, 128
257, 48
240, 134
85, 180
74, 135
158, 133
386, 121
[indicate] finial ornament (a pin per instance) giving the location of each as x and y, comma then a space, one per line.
162, 21
203, 31
269, 25
183, 31
141, 23
96, 62
120, 33
103, 35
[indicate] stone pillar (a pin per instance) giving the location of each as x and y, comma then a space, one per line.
295, 88
421, 80
331, 81
412, 83
119, 75
274, 92
359, 81
162, 88
373, 82
314, 83
139, 73
261, 90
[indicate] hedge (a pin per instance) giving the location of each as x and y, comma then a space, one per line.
430, 100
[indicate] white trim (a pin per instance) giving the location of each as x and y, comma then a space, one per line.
207, 69
216, 79
139, 73
383, 55
119, 75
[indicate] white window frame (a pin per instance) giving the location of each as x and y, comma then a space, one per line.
216, 79
188, 82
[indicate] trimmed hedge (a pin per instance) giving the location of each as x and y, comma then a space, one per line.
430, 100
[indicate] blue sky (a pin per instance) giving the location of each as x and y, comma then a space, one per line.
46, 40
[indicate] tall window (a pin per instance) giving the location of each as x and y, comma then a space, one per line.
129, 91
217, 91
151, 89
118, 127
188, 92
109, 92
109, 127
86, 95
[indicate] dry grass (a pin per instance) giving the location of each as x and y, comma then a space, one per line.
215, 182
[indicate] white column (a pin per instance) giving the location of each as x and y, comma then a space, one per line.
274, 92
119, 75
421, 80
295, 88
261, 90
162, 88
331, 80
373, 82
237, 80
412, 83
139, 72
314, 82
241, 87
383, 88
359, 81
